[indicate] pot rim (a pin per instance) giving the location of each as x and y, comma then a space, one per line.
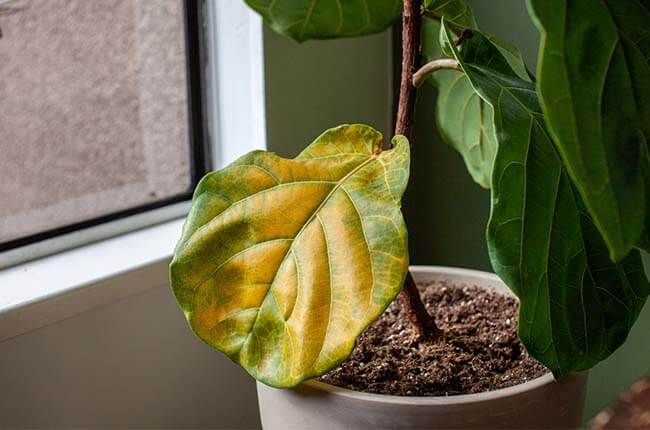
487, 279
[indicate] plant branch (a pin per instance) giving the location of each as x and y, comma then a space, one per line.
411, 24
433, 66
423, 324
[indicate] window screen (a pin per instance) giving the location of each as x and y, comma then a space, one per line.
96, 112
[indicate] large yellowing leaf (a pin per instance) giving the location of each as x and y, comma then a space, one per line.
327, 19
282, 263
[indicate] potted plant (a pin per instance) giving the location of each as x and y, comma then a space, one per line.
283, 263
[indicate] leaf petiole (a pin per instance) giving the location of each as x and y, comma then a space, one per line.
431, 67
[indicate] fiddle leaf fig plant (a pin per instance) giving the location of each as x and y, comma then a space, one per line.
283, 263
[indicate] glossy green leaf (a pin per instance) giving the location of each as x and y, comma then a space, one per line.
327, 19
283, 262
465, 122
594, 84
457, 13
463, 119
576, 306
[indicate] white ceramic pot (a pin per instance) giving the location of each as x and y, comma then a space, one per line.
541, 403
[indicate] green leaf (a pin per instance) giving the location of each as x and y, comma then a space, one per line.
576, 306
283, 262
457, 13
465, 122
327, 19
594, 85
463, 119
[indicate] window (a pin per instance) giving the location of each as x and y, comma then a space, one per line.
103, 259
101, 114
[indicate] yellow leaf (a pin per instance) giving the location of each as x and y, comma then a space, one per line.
282, 263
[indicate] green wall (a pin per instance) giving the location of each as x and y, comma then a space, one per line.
316, 85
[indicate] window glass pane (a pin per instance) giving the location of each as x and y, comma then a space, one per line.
93, 110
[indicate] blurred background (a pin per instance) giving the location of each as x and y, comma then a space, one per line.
134, 363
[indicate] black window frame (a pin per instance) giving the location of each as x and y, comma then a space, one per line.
200, 164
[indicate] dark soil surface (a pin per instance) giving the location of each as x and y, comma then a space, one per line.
480, 350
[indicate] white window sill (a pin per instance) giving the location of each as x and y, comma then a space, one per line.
60, 286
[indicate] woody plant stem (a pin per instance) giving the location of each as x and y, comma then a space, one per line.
423, 324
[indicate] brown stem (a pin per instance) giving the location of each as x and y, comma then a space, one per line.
411, 23
423, 324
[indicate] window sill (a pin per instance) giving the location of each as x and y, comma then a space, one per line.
44, 291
